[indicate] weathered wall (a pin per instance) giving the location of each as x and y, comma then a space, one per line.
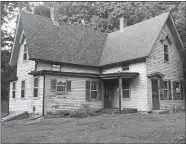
25, 104
172, 70
70, 100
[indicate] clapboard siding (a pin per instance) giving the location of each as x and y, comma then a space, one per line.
138, 88
71, 100
27, 103
69, 68
172, 70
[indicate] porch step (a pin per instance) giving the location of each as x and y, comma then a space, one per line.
128, 110
159, 112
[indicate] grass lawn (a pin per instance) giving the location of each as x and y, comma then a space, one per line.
124, 128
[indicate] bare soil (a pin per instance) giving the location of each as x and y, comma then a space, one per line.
124, 128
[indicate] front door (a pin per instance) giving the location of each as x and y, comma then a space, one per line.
155, 94
107, 96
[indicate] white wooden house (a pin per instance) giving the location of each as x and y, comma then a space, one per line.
62, 67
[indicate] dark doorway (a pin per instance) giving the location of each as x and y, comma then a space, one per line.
107, 96
155, 95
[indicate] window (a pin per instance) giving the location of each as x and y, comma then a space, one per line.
168, 40
177, 91
166, 54
61, 86
13, 89
165, 90
36, 80
22, 89
25, 54
56, 67
125, 89
23, 39
94, 90
91, 90
53, 83
124, 68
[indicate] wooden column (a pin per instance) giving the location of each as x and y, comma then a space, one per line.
120, 93
102, 92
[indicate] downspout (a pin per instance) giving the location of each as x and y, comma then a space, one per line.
43, 113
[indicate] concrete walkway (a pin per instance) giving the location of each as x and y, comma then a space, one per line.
13, 116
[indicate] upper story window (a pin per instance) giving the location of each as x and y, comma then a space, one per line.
125, 68
13, 89
22, 39
25, 53
22, 89
166, 53
168, 40
56, 67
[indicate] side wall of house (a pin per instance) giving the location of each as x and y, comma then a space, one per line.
172, 70
71, 100
26, 103
138, 88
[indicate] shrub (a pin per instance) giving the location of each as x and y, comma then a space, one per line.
84, 111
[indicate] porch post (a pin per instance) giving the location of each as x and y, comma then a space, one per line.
120, 93
102, 92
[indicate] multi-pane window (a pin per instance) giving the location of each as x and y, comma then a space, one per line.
61, 86
22, 89
165, 90
166, 54
36, 80
13, 89
91, 90
94, 90
56, 67
25, 54
126, 90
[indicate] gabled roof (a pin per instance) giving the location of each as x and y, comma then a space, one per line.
136, 41
66, 43
83, 46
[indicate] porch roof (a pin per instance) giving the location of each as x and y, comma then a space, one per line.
120, 74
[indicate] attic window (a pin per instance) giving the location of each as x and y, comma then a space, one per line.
168, 40
25, 54
23, 39
55, 67
166, 54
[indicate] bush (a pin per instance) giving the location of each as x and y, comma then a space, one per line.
84, 111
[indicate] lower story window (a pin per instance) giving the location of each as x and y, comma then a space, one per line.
177, 91
13, 89
36, 80
91, 90
165, 90
22, 89
61, 86
126, 90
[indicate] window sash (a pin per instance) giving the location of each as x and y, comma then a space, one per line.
61, 86
36, 86
13, 93
166, 53
13, 86
126, 89
124, 68
94, 90
125, 93
35, 92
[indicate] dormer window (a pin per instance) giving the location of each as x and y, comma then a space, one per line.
22, 39
166, 54
125, 68
25, 54
168, 40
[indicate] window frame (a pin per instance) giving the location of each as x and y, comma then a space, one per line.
166, 53
25, 52
13, 90
62, 86
23, 89
92, 90
36, 87
166, 89
126, 89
